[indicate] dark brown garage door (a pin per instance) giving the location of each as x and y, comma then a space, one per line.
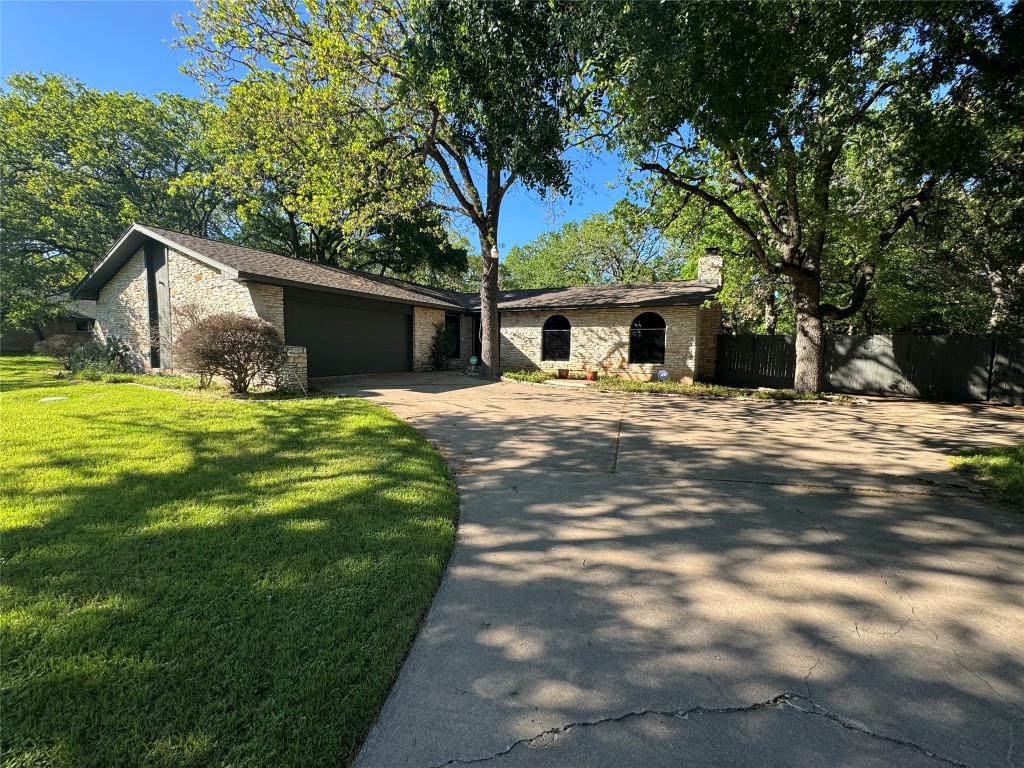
347, 335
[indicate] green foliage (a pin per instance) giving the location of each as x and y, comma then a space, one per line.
498, 75
534, 377
84, 355
77, 166
625, 245
320, 153
238, 588
1001, 470
158, 381
615, 384
820, 161
442, 345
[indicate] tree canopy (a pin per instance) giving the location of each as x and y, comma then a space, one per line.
77, 166
760, 112
625, 245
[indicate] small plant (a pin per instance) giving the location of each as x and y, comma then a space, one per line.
244, 350
78, 355
60, 348
442, 346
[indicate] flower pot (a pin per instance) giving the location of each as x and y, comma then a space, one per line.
563, 373
591, 375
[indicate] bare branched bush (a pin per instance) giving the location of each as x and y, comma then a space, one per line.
244, 350
187, 315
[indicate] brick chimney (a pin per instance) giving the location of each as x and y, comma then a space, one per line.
709, 267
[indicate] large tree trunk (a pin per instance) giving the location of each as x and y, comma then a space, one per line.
490, 348
810, 335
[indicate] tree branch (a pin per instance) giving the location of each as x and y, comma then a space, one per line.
677, 181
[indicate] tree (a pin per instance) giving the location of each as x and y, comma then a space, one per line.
623, 246
77, 166
412, 82
828, 75
316, 178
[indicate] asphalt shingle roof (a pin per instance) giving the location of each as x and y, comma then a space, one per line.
253, 263
666, 294
263, 266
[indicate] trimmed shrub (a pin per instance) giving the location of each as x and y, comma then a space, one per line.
244, 350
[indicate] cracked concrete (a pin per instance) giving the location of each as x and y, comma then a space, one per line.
549, 738
620, 555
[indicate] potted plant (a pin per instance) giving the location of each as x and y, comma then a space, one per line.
591, 375
563, 373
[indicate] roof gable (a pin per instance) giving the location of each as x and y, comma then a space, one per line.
238, 262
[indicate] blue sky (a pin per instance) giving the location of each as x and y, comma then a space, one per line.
123, 46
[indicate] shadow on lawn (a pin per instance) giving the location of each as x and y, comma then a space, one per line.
249, 607
708, 554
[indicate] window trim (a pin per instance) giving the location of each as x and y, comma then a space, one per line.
637, 332
547, 354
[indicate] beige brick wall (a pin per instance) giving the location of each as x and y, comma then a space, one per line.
709, 325
123, 309
424, 320
123, 306
194, 283
298, 364
600, 341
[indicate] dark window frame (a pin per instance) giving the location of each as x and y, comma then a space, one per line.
556, 339
647, 334
453, 323
83, 326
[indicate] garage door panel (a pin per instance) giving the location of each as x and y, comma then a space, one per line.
342, 340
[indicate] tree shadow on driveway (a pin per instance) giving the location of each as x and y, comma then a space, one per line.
620, 555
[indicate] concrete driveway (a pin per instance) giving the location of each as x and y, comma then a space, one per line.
646, 581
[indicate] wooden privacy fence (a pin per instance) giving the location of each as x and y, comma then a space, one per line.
949, 368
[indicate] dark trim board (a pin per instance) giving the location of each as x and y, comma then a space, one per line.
345, 335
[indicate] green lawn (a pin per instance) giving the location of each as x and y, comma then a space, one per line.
1001, 470
193, 579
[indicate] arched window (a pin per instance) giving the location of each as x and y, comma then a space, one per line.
647, 339
557, 342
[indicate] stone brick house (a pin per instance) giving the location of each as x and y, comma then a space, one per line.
339, 322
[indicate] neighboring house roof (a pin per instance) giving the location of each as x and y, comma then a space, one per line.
82, 309
249, 264
241, 263
667, 294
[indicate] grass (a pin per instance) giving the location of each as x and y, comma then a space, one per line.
203, 580
999, 470
190, 383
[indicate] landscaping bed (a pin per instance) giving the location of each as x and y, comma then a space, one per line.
206, 580
618, 384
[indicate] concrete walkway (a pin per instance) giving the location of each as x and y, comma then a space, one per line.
666, 582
